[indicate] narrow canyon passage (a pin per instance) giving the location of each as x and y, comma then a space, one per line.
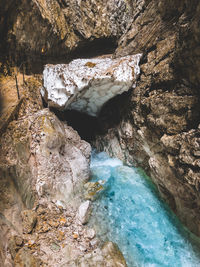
121, 76
130, 213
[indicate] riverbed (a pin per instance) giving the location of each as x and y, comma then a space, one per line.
130, 212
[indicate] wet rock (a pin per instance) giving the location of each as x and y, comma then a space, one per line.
108, 256
93, 189
84, 212
29, 219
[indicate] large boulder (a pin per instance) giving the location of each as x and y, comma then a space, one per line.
45, 154
87, 84
42, 161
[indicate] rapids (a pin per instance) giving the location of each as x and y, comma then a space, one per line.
130, 213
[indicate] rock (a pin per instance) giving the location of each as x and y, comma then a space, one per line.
55, 175
55, 247
82, 248
76, 27
24, 258
15, 243
108, 256
163, 110
93, 189
75, 235
90, 233
31, 243
155, 126
94, 242
87, 84
29, 219
84, 212
113, 255
36, 172
18, 240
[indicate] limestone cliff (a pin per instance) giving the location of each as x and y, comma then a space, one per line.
158, 127
47, 31
43, 166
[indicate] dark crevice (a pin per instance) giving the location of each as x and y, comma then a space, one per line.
87, 126
94, 48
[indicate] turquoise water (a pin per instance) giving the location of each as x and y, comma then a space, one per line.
130, 213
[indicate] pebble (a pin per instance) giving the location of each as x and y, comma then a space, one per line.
90, 233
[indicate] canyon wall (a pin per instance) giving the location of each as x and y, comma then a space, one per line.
158, 124
38, 32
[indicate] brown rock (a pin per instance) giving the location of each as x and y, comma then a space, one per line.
64, 27
24, 259
15, 244
163, 110
29, 219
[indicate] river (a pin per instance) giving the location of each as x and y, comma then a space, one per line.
130, 213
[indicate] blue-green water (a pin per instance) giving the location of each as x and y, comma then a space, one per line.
130, 213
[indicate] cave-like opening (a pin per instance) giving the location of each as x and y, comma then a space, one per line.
88, 126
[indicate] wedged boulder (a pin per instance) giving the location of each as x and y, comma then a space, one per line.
87, 84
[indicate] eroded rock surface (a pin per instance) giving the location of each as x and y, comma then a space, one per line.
38, 181
84, 212
86, 85
44, 31
40, 145
157, 127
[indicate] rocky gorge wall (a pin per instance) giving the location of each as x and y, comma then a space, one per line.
158, 127
43, 167
38, 32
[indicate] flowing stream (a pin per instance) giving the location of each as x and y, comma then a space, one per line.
130, 213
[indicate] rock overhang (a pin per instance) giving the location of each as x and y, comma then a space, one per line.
86, 85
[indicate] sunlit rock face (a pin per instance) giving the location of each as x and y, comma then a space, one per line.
41, 31
86, 84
